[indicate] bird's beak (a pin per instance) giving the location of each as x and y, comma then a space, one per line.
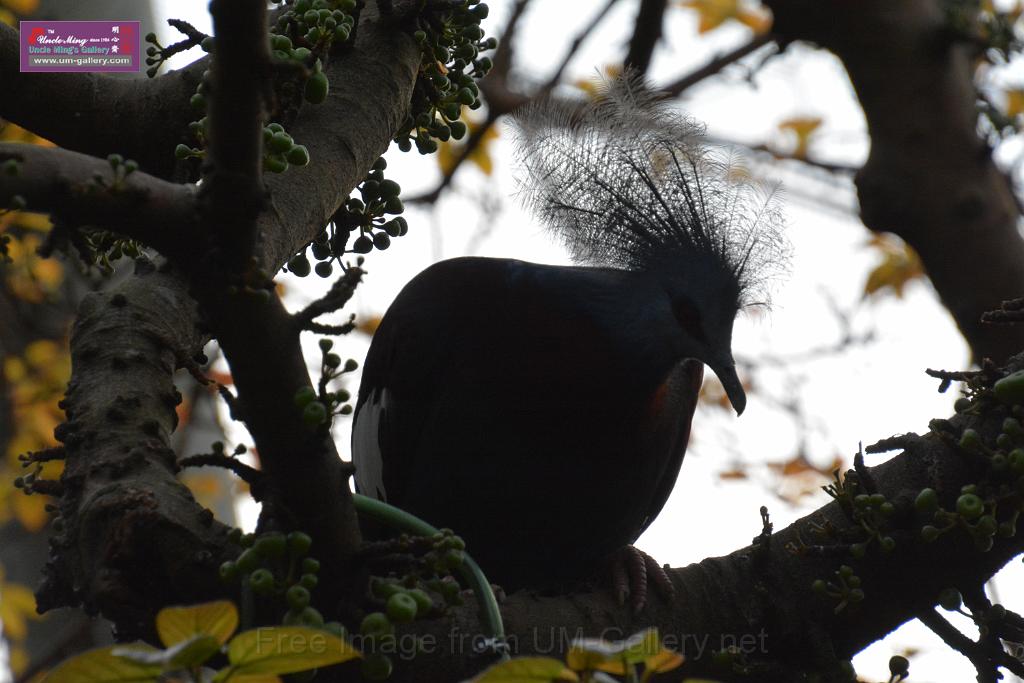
733, 387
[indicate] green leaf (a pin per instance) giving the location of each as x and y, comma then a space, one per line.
283, 650
527, 670
215, 619
103, 666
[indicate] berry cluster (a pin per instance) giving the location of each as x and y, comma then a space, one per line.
368, 213
320, 407
451, 43
401, 600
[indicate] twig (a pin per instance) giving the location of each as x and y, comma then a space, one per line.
716, 65
338, 295
575, 46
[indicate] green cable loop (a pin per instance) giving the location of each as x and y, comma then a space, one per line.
469, 570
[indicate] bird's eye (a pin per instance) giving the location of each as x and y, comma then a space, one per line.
688, 315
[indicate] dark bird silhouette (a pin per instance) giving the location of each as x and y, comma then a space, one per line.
542, 412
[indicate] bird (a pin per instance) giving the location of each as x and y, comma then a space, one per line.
542, 411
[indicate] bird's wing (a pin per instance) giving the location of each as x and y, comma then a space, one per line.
406, 363
674, 414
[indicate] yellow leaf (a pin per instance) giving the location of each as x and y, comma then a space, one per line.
664, 660
526, 670
803, 127
17, 608
103, 666
1014, 102
614, 657
22, 7
593, 87
368, 324
448, 153
899, 266
8, 18
30, 511
283, 650
217, 619
714, 13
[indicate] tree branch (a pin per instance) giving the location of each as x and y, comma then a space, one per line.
85, 191
646, 34
99, 115
929, 178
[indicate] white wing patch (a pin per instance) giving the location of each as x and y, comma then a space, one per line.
366, 453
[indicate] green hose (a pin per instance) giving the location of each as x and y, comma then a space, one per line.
469, 570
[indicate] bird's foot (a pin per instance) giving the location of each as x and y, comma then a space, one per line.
632, 571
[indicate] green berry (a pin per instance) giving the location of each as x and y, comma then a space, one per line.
314, 413
389, 188
888, 544
324, 269
858, 550
228, 571
401, 608
899, 666
949, 599
310, 565
394, 204
376, 624
927, 501
819, 586
971, 441
304, 396
308, 581
262, 581
381, 241
424, 604
316, 88
332, 360
299, 543
362, 245
1010, 389
311, 617
297, 155
987, 525
299, 265
969, 506
248, 560
929, 533
376, 667
182, 152
273, 544
298, 597
275, 163
280, 143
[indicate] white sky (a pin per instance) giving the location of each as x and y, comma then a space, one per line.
865, 394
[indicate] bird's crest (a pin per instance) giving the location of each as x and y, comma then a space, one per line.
627, 181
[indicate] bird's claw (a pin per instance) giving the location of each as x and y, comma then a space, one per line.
632, 571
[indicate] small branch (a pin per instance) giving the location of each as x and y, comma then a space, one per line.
250, 475
983, 661
646, 33
339, 294
82, 191
1008, 313
575, 46
716, 65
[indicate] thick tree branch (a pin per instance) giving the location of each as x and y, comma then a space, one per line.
241, 81
82, 190
646, 34
929, 178
761, 597
109, 502
99, 115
